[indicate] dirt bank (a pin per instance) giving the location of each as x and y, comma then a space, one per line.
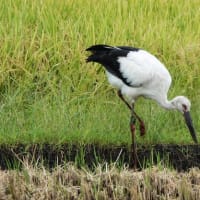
181, 157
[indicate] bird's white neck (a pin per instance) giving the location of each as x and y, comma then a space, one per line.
180, 103
167, 104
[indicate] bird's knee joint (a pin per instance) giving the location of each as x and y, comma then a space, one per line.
133, 119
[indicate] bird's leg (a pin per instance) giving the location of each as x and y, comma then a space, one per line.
133, 145
122, 98
142, 126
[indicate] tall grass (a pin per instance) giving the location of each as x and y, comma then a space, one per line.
49, 94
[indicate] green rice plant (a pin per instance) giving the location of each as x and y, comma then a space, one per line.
49, 94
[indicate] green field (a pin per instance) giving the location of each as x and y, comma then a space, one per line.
49, 94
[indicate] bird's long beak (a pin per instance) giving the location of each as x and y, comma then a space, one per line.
190, 126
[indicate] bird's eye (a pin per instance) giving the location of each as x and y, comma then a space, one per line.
184, 107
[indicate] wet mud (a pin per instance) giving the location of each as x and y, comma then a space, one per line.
180, 157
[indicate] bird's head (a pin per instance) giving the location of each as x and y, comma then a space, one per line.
183, 104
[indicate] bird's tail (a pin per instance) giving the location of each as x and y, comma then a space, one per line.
98, 51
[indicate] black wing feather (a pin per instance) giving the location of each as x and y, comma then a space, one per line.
108, 57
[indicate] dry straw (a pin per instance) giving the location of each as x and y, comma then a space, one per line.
106, 182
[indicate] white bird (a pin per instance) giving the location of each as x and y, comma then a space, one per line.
135, 72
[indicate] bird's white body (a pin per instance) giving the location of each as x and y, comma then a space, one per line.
148, 76
136, 72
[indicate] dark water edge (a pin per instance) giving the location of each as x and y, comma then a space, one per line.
180, 157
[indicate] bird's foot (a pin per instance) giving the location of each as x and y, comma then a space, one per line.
142, 128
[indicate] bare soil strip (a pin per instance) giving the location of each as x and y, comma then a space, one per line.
180, 157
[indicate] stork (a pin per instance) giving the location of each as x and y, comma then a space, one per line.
135, 72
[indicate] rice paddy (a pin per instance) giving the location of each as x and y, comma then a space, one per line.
48, 92
106, 182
